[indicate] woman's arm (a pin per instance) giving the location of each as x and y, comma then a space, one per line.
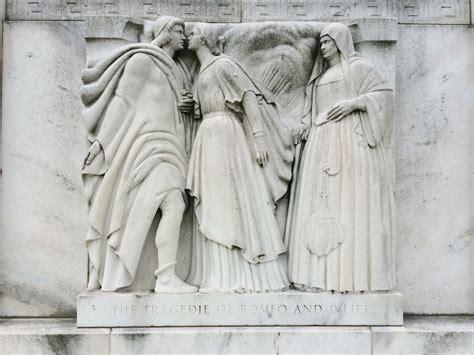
252, 115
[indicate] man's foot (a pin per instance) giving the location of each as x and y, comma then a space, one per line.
93, 283
208, 289
173, 284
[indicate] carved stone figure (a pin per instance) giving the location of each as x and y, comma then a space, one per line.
341, 218
240, 166
136, 163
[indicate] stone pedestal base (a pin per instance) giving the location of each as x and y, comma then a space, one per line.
145, 309
418, 335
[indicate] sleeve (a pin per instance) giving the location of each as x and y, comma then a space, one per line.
234, 83
377, 98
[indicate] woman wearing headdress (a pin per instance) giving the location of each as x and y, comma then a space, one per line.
341, 222
240, 167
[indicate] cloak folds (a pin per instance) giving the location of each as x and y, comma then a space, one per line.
134, 146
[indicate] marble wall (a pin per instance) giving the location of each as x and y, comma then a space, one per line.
419, 335
44, 262
434, 125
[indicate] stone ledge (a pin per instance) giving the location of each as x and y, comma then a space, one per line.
143, 309
427, 335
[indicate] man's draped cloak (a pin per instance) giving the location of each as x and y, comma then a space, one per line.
133, 147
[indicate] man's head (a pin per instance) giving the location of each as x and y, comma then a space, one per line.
169, 31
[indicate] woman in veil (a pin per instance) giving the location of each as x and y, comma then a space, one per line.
341, 225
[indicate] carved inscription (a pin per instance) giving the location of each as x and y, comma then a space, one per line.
270, 310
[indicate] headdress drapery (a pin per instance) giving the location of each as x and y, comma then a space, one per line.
341, 34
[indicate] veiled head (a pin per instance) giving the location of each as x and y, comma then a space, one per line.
341, 35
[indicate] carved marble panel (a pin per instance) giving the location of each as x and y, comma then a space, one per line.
256, 95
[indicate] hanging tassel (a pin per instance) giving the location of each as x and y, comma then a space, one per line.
324, 232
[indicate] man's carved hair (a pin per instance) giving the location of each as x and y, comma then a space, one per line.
163, 38
155, 33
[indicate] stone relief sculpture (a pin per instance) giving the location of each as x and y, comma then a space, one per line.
142, 122
341, 220
240, 167
137, 163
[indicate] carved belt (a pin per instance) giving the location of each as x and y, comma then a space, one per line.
217, 114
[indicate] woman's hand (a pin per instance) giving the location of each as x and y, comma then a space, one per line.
93, 151
341, 110
300, 134
186, 105
261, 151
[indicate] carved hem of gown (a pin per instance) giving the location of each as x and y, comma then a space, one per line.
224, 269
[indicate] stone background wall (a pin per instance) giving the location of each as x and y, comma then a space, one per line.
43, 257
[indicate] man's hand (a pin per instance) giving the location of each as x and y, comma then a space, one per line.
261, 151
93, 151
186, 105
341, 110
300, 134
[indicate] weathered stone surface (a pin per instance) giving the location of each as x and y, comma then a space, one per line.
419, 335
51, 336
433, 121
429, 335
2, 17
250, 340
433, 181
102, 309
44, 212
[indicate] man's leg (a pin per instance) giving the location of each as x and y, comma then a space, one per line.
166, 240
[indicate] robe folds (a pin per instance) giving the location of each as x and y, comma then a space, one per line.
237, 242
341, 224
142, 154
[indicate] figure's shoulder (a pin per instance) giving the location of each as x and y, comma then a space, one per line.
224, 63
228, 67
361, 64
140, 59
142, 64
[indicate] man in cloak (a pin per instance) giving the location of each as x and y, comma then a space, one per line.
136, 164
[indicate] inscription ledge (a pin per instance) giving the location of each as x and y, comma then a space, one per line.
144, 309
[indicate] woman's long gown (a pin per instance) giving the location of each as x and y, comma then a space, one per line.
237, 242
345, 186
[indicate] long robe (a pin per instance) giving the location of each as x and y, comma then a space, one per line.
341, 224
237, 241
142, 154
